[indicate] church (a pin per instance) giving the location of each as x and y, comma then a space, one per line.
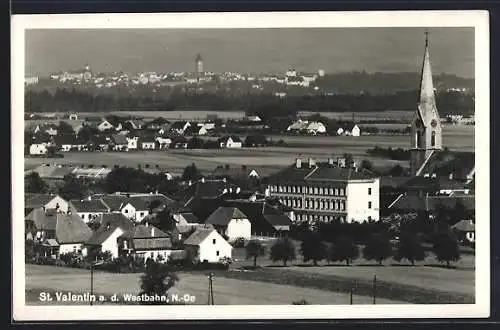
439, 177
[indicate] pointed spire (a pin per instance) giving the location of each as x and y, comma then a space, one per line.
198, 58
426, 85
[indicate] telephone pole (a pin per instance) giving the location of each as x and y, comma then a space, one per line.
210, 289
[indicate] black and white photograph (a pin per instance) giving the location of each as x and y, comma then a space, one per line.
211, 166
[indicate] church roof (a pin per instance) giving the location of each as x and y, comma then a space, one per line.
198, 58
427, 101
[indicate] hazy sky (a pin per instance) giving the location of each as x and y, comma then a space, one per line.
251, 50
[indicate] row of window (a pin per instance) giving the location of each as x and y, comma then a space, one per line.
322, 218
315, 204
308, 190
91, 215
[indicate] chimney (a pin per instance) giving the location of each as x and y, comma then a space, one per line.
311, 162
450, 176
298, 163
152, 231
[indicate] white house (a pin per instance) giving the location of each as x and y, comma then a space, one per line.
73, 116
132, 143
185, 219
230, 142
72, 234
230, 221
133, 208
297, 126
206, 244
316, 127
180, 126
47, 202
147, 144
88, 209
340, 131
106, 239
104, 125
163, 143
363, 199
352, 130
38, 148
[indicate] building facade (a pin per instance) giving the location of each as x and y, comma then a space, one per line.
327, 192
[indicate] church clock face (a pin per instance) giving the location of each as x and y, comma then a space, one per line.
433, 123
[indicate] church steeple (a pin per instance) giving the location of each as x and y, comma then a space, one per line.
426, 125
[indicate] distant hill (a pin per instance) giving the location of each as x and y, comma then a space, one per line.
386, 83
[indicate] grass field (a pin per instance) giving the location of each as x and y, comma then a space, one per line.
227, 291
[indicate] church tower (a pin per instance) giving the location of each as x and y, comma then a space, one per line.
426, 125
198, 64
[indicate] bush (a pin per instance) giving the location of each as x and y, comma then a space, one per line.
378, 248
343, 249
283, 250
238, 243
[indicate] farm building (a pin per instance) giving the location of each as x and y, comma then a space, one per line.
206, 244
231, 222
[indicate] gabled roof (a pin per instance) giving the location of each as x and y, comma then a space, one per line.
205, 189
262, 215
71, 229
465, 226
157, 243
190, 217
432, 203
198, 236
116, 220
138, 203
42, 220
115, 202
119, 139
224, 214
178, 125
102, 234
89, 205
38, 200
143, 231
226, 138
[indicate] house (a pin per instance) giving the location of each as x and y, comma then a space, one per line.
180, 126
115, 122
91, 173
231, 223
298, 126
88, 209
230, 142
134, 208
163, 142
147, 143
164, 129
235, 173
315, 128
156, 123
352, 130
178, 142
254, 118
46, 201
98, 142
340, 131
50, 129
73, 116
119, 142
38, 148
325, 191
104, 125
132, 142
146, 241
134, 124
185, 219
72, 233
65, 142
113, 225
40, 224
52, 172
207, 245
465, 230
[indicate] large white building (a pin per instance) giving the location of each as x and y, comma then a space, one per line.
327, 191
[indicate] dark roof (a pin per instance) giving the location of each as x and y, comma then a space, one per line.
164, 200
119, 139
442, 163
238, 172
65, 139
116, 220
432, 203
89, 205
71, 229
115, 202
393, 181
204, 189
101, 235
158, 121
37, 200
138, 203
224, 214
433, 184
262, 215
233, 137
143, 231
178, 125
157, 243
190, 217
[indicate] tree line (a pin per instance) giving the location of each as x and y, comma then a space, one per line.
264, 105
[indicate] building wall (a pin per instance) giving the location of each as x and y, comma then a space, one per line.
239, 228
154, 254
72, 247
128, 211
363, 201
132, 144
213, 252
38, 149
148, 145
87, 216
111, 244
140, 214
63, 205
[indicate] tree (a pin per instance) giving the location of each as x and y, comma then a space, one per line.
191, 172
195, 143
283, 250
313, 248
157, 280
72, 188
445, 246
65, 129
410, 248
343, 249
367, 165
378, 248
34, 184
254, 249
396, 170
166, 221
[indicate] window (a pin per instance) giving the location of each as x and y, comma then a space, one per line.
369, 191
433, 139
83, 216
336, 191
316, 190
213, 241
369, 205
217, 253
331, 191
126, 211
142, 213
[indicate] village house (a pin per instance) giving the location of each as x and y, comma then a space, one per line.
73, 116
45, 201
65, 142
72, 233
39, 148
88, 209
242, 172
134, 208
230, 142
156, 123
180, 127
147, 143
146, 241
465, 231
185, 219
231, 223
119, 142
52, 172
113, 225
132, 142
351, 130
40, 224
207, 245
104, 125
327, 191
163, 142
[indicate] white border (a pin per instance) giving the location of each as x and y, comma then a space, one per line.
477, 19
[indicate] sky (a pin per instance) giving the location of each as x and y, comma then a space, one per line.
250, 50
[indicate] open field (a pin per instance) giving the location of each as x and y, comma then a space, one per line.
226, 291
403, 115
